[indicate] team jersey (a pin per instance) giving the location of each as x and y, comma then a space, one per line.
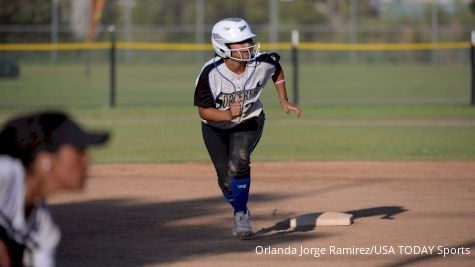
31, 241
219, 87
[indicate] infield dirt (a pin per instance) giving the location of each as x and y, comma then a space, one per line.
175, 215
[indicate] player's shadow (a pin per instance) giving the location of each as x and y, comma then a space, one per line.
387, 212
121, 232
283, 227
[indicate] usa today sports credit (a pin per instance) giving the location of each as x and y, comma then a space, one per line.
370, 250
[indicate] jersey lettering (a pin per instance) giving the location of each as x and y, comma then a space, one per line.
219, 87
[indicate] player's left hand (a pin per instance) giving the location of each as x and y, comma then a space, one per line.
287, 107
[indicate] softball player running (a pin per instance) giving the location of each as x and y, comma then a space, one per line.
227, 96
40, 154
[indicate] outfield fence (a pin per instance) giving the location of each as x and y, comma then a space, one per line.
208, 47
164, 73
436, 53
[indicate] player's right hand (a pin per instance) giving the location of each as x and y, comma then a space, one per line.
236, 108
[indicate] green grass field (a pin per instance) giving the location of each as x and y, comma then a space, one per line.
350, 112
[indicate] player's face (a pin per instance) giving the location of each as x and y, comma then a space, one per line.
70, 167
242, 49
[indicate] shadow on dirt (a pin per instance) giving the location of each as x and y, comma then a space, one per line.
283, 227
122, 232
387, 212
126, 232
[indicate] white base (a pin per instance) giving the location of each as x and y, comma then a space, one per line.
321, 219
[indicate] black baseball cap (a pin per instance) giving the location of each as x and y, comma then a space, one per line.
25, 136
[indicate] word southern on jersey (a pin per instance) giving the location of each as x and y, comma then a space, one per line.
218, 87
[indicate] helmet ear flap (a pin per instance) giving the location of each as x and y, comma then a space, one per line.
221, 50
226, 53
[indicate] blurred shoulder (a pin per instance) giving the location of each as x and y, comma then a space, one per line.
11, 172
12, 179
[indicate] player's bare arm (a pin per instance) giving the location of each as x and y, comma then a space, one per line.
213, 114
279, 83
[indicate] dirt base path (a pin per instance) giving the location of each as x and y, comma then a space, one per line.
406, 214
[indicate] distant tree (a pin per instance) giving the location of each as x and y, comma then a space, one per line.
472, 7
164, 12
24, 12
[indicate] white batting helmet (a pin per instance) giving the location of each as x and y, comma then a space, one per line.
232, 30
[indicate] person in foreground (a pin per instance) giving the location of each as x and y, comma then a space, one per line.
40, 154
227, 96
